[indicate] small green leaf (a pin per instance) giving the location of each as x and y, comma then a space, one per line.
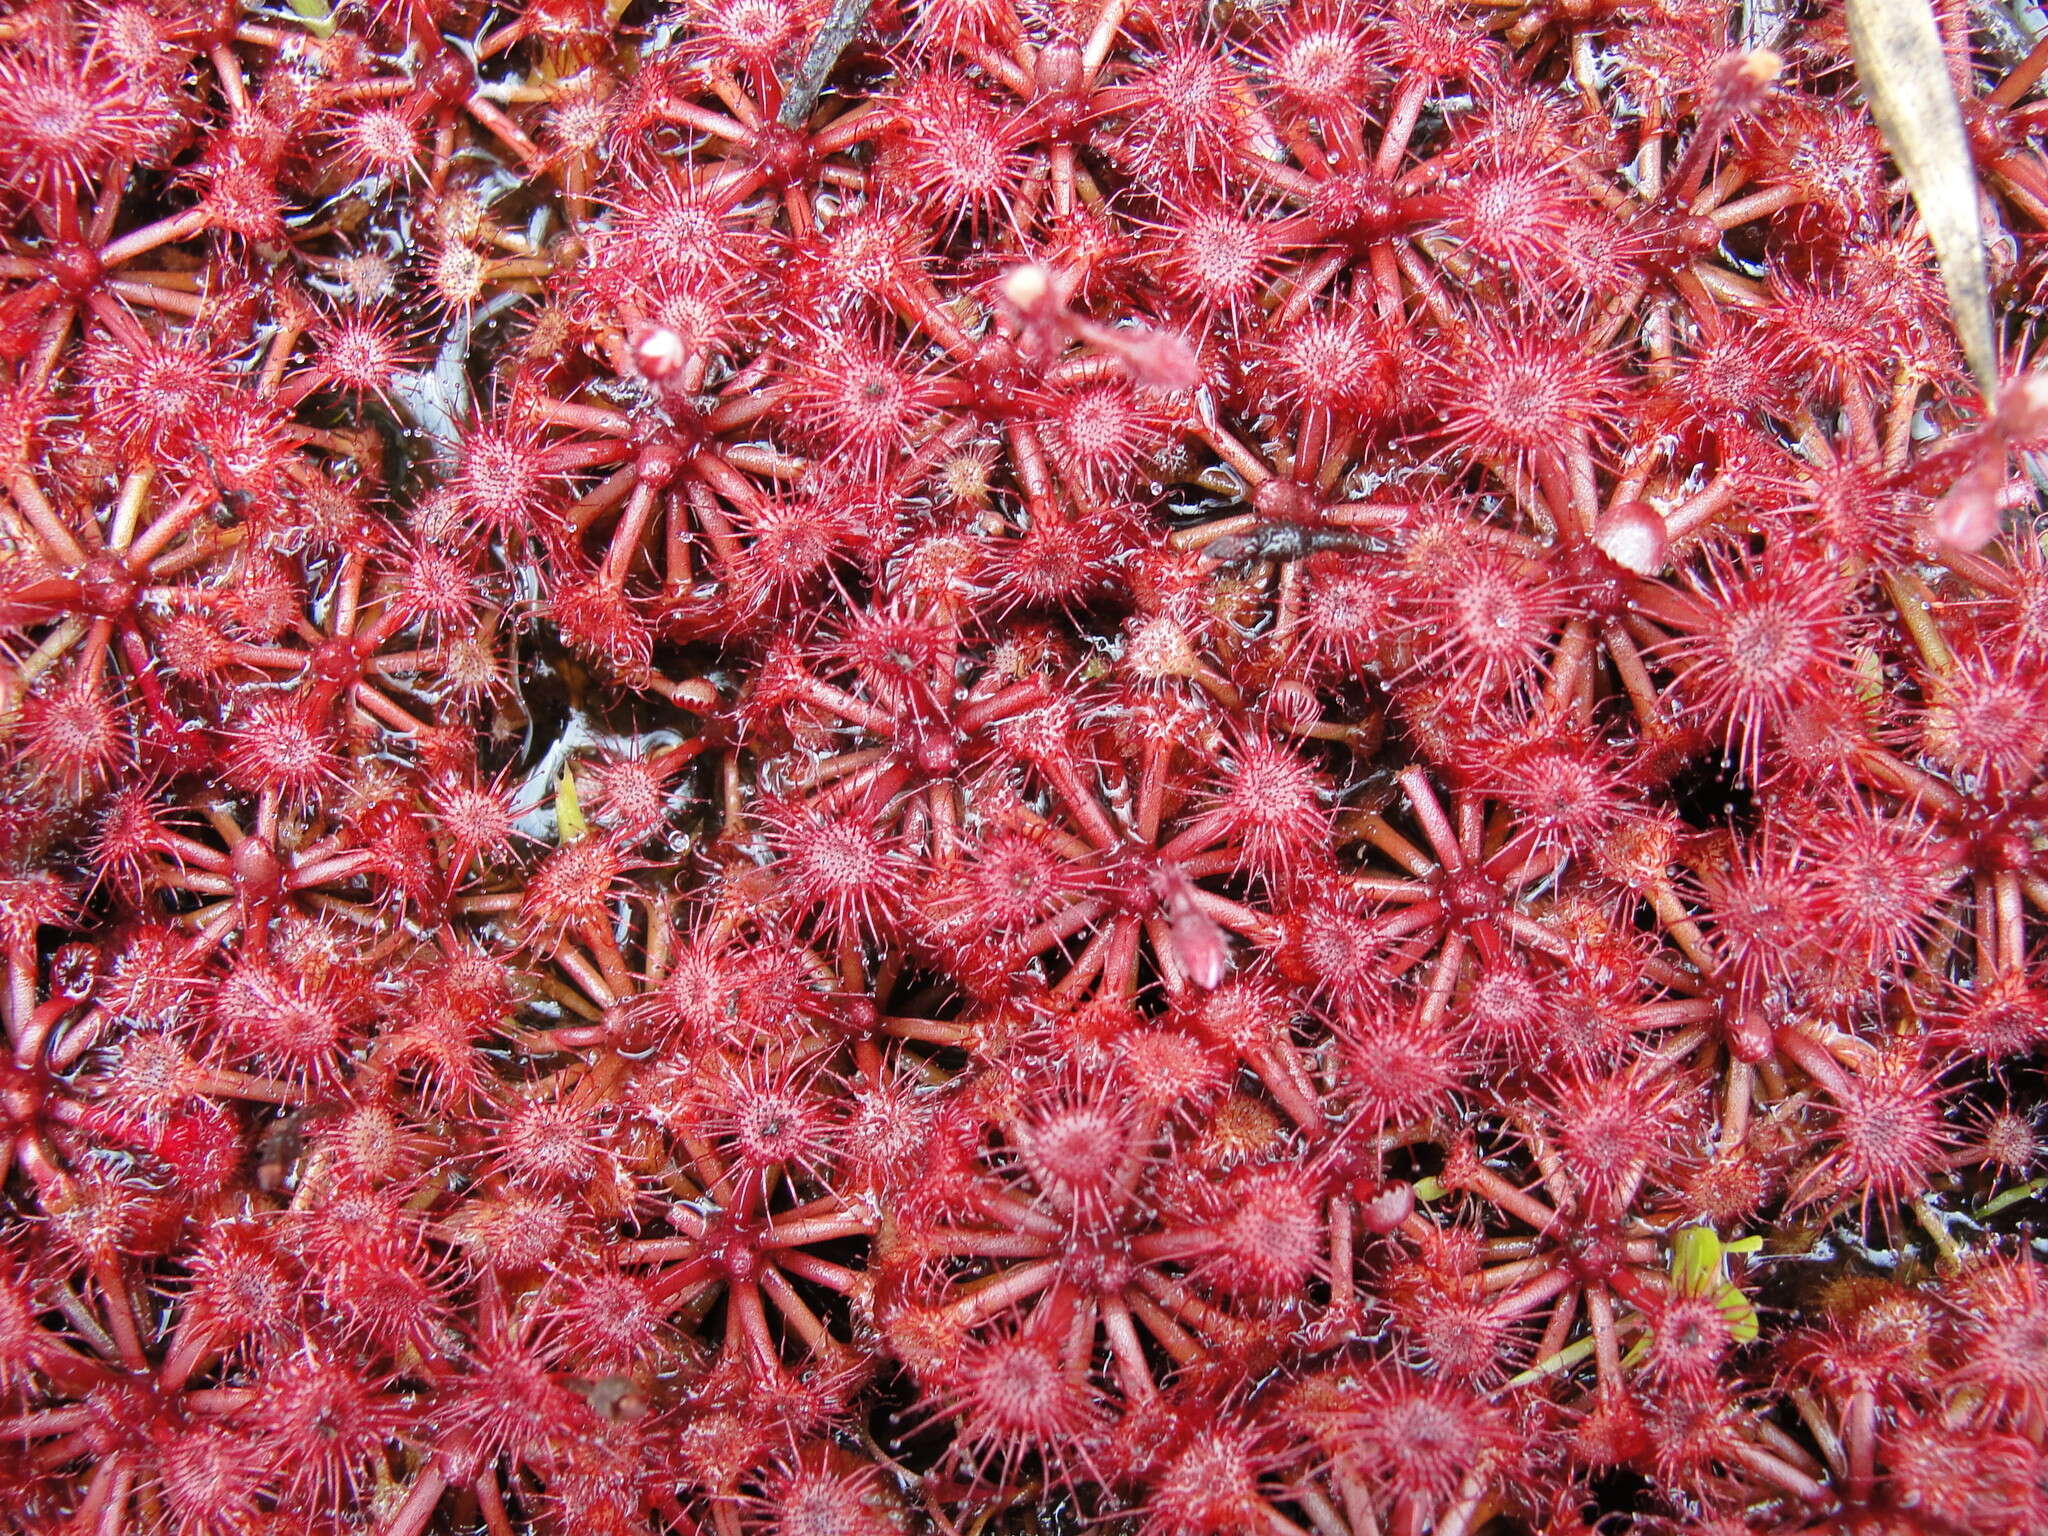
2013, 1196
1696, 1266
1571, 1355
1740, 1312
569, 822
1699, 1267
316, 16
1868, 671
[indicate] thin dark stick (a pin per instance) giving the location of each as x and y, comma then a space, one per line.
838, 32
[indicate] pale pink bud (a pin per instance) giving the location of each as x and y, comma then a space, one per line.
1386, 1210
1967, 517
1195, 941
2021, 413
659, 352
1633, 536
1155, 359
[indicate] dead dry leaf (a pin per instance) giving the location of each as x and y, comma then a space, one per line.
1905, 75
